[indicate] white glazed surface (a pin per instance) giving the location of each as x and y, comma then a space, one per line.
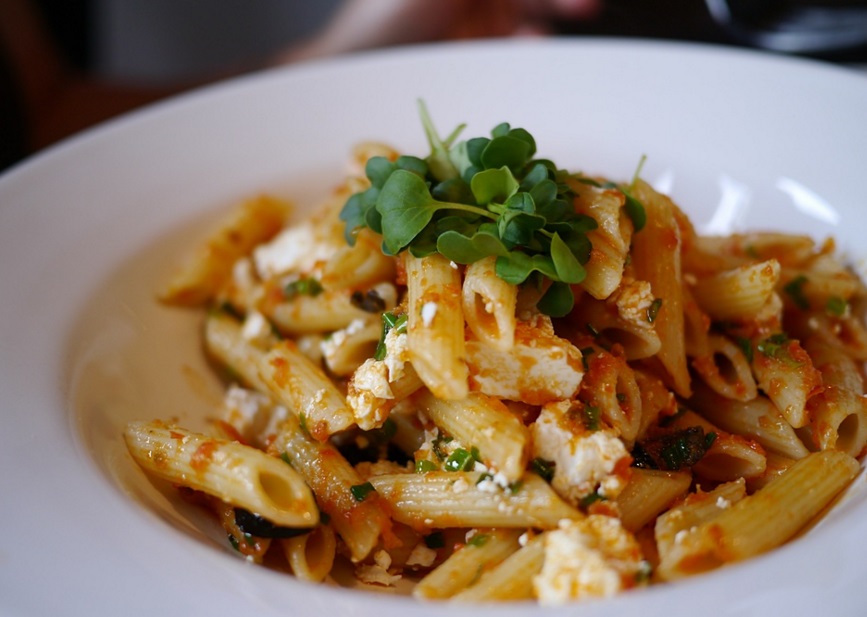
90, 228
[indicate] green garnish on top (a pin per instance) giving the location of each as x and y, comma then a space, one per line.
482, 197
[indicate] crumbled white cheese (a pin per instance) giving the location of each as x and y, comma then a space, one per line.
295, 249
460, 486
722, 503
584, 460
256, 329
254, 415
368, 389
428, 312
592, 557
421, 556
396, 354
632, 300
377, 573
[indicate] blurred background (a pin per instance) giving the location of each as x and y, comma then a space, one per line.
68, 64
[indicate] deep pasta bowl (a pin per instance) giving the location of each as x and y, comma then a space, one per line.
90, 229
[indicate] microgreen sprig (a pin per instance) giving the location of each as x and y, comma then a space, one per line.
481, 197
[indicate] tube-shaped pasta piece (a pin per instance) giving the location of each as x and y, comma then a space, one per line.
435, 325
225, 342
468, 499
648, 493
330, 310
460, 570
360, 266
838, 420
237, 474
347, 349
768, 517
540, 367
311, 556
729, 457
622, 320
656, 400
489, 305
785, 372
726, 369
739, 293
610, 240
610, 386
256, 221
696, 326
846, 333
808, 289
359, 521
299, 384
510, 580
757, 419
484, 422
673, 528
656, 258
837, 368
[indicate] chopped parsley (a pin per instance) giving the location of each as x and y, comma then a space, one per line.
303, 287
673, 451
591, 498
774, 346
390, 321
478, 539
795, 290
836, 306
361, 491
424, 465
542, 468
462, 460
592, 416
653, 310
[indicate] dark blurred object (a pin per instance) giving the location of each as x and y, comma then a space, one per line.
826, 28
834, 30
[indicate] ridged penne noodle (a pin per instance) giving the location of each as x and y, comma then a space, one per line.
785, 372
435, 326
696, 326
465, 566
622, 323
846, 333
648, 493
674, 530
347, 349
225, 342
510, 580
610, 386
838, 421
656, 255
256, 221
360, 266
837, 368
657, 401
757, 419
485, 423
809, 289
237, 474
311, 556
489, 305
540, 367
360, 522
768, 517
326, 311
295, 381
610, 240
469, 499
740, 293
725, 369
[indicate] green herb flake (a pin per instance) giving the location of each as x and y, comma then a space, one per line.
459, 460
644, 572
589, 500
303, 287
795, 290
478, 539
542, 468
360, 492
284, 456
653, 310
390, 321
424, 466
746, 346
774, 346
836, 306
